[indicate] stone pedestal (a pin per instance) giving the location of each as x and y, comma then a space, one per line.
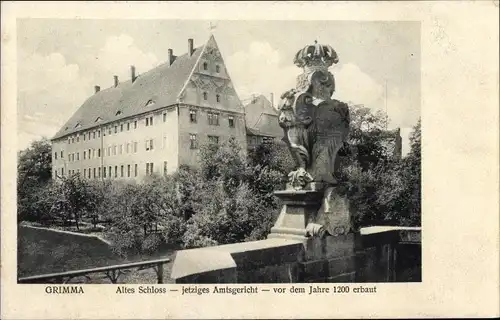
299, 209
329, 251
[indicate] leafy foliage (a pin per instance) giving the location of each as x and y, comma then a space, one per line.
73, 199
33, 179
228, 199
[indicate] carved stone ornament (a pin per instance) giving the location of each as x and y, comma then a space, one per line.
315, 128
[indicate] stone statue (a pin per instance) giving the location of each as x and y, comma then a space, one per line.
315, 129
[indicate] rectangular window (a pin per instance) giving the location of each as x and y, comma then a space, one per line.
116, 171
213, 139
135, 124
128, 170
89, 173
109, 130
231, 121
192, 116
164, 168
99, 172
121, 127
78, 156
109, 151
94, 174
149, 144
193, 141
93, 153
121, 149
135, 146
84, 136
78, 171
84, 155
78, 138
98, 133
84, 173
135, 170
128, 126
121, 171
116, 129
62, 172
147, 122
93, 135
213, 119
99, 152
114, 150
109, 171
55, 155
149, 168
151, 120
104, 172
165, 117
62, 154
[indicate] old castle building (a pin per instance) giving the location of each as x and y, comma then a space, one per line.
154, 122
262, 121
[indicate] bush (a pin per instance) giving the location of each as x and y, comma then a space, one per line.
152, 243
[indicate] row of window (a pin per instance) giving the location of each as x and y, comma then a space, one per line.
122, 171
205, 96
205, 67
129, 147
213, 118
193, 140
95, 134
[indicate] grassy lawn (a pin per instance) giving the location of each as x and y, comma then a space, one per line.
43, 251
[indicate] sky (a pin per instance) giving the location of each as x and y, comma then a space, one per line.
61, 60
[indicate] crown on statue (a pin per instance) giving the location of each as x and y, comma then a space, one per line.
316, 57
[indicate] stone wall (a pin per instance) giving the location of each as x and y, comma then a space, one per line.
373, 255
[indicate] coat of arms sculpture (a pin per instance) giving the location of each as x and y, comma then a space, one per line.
315, 128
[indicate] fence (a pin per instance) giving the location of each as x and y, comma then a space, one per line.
110, 272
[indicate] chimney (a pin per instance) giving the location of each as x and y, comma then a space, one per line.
132, 73
116, 81
97, 89
190, 47
171, 57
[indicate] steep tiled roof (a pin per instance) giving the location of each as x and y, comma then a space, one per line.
261, 118
161, 85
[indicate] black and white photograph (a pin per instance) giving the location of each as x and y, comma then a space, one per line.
250, 159
218, 151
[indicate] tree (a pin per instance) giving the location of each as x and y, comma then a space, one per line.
388, 190
74, 198
33, 181
232, 199
365, 136
145, 216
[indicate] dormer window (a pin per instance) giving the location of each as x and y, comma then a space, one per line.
217, 68
205, 96
218, 98
205, 66
150, 102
